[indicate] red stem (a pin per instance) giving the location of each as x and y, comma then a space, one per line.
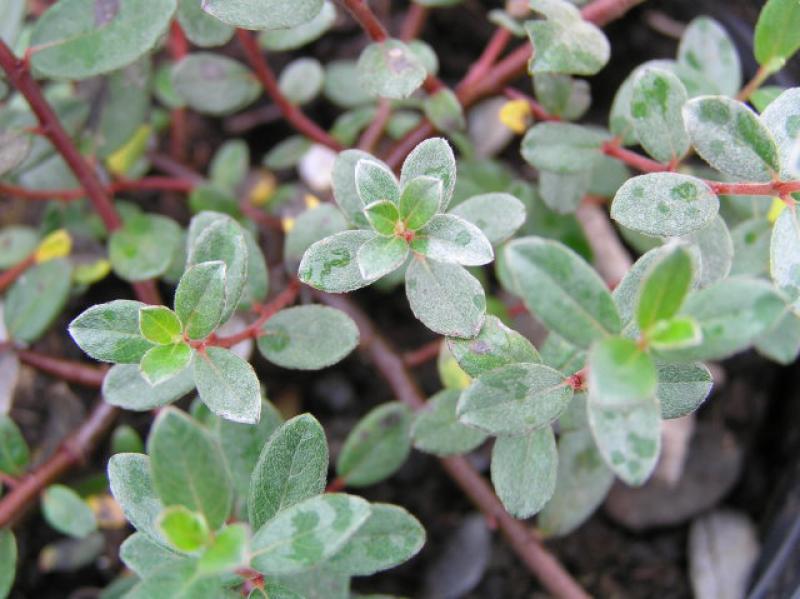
66, 195
67, 370
336, 485
372, 134
414, 21
178, 48
426, 353
646, 165
494, 48
366, 18
537, 110
8, 277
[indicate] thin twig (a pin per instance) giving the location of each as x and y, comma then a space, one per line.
66, 370
424, 354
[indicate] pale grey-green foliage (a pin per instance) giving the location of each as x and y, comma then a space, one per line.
497, 215
781, 117
450, 238
375, 182
301, 81
562, 95
682, 388
200, 28
433, 158
110, 332
390, 69
381, 256
214, 84
436, 428
64, 510
781, 342
200, 298
657, 99
125, 387
139, 553
132, 487
495, 346
713, 249
784, 256
8, 560
706, 48
263, 14
343, 84
17, 241
311, 226
227, 385
331, 265
143, 247
562, 147
291, 38
36, 298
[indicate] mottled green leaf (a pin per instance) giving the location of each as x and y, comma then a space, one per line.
682, 388
495, 346
311, 226
706, 48
751, 246
449, 238
140, 554
143, 247
390, 69
436, 429
562, 147
782, 118
781, 343
433, 158
383, 216
214, 84
301, 81
125, 386
110, 332
132, 488
8, 561
36, 298
563, 96
420, 201
657, 99
381, 256
785, 256
497, 215
227, 385
620, 373
291, 38
200, 298
331, 264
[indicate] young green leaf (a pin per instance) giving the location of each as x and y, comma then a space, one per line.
331, 264
433, 158
227, 385
777, 33
125, 439
200, 298
163, 362
381, 256
620, 373
664, 204
14, 452
449, 238
656, 102
497, 215
708, 49
524, 471
188, 467
64, 510
293, 466
8, 561
445, 111
390, 69
36, 299
562, 290
143, 247
514, 399
420, 200
436, 429
445, 297
664, 287
291, 38
185, 530
389, 537
674, 333
159, 325
227, 551
562, 148
377, 446
730, 137
375, 182
308, 337
263, 14
125, 386
782, 118
202, 29
383, 216
110, 332
495, 346
682, 388
214, 84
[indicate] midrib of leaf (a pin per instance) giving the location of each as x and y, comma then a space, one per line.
292, 474
424, 261
527, 399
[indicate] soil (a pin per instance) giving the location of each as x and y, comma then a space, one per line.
757, 402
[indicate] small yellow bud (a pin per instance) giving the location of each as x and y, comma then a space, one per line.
56, 245
311, 200
288, 224
264, 189
121, 161
778, 206
515, 114
87, 274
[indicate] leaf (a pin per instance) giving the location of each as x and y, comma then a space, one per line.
784, 258
382, 216
292, 467
301, 81
390, 69
514, 399
180, 581
159, 325
227, 385
564, 292
8, 561
389, 537
311, 226
782, 118
200, 298
751, 243
263, 14
331, 264
708, 49
449, 238
17, 243
132, 487
110, 332
188, 467
562, 148
185, 530
664, 204
436, 429
420, 201
200, 28
229, 165
564, 192
583, 481
497, 215
450, 373
343, 86
682, 388
35, 300
730, 137
714, 251
443, 109
381, 256
14, 452
343, 182
79, 39
375, 182
777, 37
495, 346
674, 333
781, 343
307, 533
445, 297
308, 337
657, 99
664, 287
565, 43
524, 471
143, 247
291, 38
214, 84
14, 149
433, 158
124, 386
562, 95
620, 373
377, 446
227, 552
163, 362
140, 554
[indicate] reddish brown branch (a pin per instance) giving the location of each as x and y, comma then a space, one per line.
414, 21
642, 163
8, 277
494, 48
426, 353
537, 110
67, 195
370, 23
372, 134
66, 370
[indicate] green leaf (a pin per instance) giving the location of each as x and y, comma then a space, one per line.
730, 137
708, 49
784, 254
132, 487
524, 471
420, 200
657, 99
124, 386
291, 38
782, 118
227, 552
185, 530
564, 292
381, 256
14, 452
713, 251
382, 216
229, 165
79, 39
777, 33
433, 158
227, 385
583, 481
390, 69
200, 298
343, 86
764, 96
495, 346
287, 153
308, 337
16, 243
8, 561
751, 244
307, 533
445, 297
125, 439
311, 226
565, 43
200, 28
180, 581
375, 182
564, 192
562, 147
620, 373
389, 537
445, 111
159, 325
163, 362
331, 264
664, 204
436, 429
675, 333
140, 554
514, 399
497, 215
214, 84
110, 332
263, 14
664, 287
449, 238
377, 446
16, 146
563, 96
301, 81
143, 247
188, 467
682, 388
292, 467
781, 343
343, 182
36, 299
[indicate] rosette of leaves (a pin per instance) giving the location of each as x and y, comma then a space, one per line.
215, 504
405, 223
161, 354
